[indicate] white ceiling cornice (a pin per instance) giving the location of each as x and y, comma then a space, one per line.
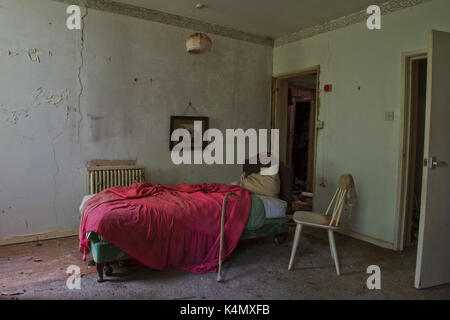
234, 33
170, 19
386, 8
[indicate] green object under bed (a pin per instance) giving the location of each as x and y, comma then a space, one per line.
257, 227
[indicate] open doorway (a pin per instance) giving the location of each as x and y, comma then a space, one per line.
415, 129
294, 113
300, 145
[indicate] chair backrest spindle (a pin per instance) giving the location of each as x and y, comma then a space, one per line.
338, 200
331, 202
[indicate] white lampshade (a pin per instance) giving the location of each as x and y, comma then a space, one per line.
198, 43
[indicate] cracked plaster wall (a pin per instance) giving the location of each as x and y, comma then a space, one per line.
64, 102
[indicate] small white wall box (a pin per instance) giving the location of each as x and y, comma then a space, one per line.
389, 116
319, 124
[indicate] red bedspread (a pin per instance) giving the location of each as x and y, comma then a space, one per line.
167, 227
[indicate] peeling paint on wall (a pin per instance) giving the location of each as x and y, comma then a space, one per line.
12, 117
41, 97
54, 98
2, 211
10, 52
38, 92
33, 54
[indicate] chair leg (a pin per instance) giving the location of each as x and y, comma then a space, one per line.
298, 231
333, 250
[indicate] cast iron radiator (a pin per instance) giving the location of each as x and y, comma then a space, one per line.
103, 177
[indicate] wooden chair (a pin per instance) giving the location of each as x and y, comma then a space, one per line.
327, 220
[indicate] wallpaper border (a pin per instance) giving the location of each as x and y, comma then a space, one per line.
386, 8
170, 19
197, 25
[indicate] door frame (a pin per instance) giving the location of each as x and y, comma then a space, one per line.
405, 153
281, 79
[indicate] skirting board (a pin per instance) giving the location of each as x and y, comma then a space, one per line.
39, 236
363, 237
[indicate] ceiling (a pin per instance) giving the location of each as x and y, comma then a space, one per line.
267, 18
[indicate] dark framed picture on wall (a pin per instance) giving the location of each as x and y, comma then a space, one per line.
187, 122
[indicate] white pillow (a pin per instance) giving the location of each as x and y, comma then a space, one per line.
85, 198
275, 208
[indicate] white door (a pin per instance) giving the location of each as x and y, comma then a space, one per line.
433, 252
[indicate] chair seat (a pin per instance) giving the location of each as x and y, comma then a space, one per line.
313, 219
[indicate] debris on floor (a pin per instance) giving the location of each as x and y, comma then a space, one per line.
12, 293
30, 263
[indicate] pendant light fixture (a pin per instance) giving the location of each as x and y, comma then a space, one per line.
198, 43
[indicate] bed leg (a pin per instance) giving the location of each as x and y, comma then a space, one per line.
100, 267
282, 238
276, 240
108, 270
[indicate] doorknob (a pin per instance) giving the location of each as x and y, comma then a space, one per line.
434, 163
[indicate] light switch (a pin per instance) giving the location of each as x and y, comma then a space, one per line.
389, 116
319, 124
